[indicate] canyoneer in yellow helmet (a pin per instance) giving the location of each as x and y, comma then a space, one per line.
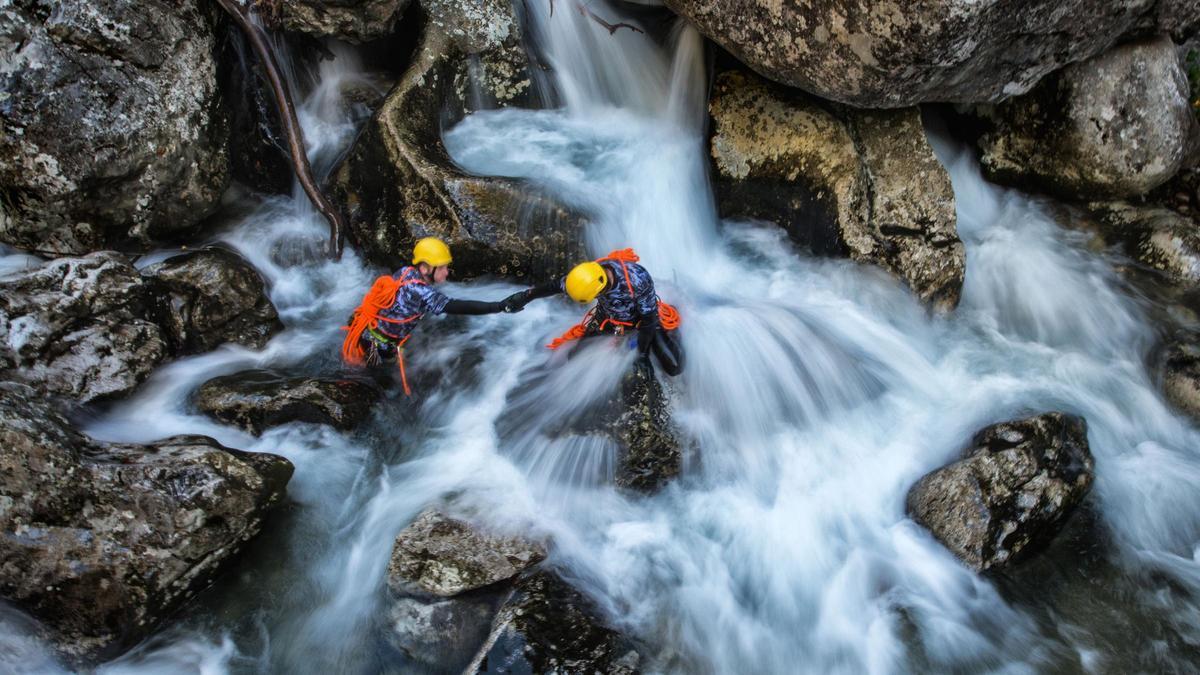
626, 303
390, 311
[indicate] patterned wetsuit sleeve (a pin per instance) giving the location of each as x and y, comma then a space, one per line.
647, 299
433, 301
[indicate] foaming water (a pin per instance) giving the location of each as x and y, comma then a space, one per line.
817, 393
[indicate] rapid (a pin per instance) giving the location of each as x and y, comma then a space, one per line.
816, 393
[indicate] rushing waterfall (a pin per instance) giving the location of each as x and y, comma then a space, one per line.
817, 392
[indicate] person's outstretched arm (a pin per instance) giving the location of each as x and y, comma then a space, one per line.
552, 287
513, 303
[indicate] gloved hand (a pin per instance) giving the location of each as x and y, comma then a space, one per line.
515, 302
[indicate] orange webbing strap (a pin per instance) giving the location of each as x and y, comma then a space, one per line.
400, 363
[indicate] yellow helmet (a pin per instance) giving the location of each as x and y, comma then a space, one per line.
585, 281
431, 251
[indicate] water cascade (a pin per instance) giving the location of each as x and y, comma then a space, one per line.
817, 392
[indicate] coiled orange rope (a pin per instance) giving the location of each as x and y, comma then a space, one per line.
381, 296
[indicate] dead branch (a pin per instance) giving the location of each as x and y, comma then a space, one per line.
611, 27
291, 126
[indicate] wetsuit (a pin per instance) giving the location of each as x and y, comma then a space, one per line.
414, 299
618, 309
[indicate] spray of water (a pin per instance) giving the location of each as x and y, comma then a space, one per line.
817, 392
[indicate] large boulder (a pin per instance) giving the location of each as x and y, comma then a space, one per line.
112, 130
549, 627
442, 556
102, 541
1157, 237
212, 296
349, 20
1012, 491
859, 183
1117, 125
256, 400
80, 328
397, 183
885, 54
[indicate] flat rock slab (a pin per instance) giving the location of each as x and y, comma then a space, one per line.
441, 556
1011, 493
257, 399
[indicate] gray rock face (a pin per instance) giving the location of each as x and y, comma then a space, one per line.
1157, 237
350, 20
549, 627
255, 400
864, 184
112, 132
892, 54
1114, 126
81, 328
213, 296
442, 557
398, 184
1013, 490
101, 541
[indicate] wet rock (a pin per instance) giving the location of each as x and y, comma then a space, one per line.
443, 634
441, 556
80, 328
651, 455
860, 183
212, 296
1181, 376
397, 182
549, 627
100, 541
258, 157
1114, 126
888, 55
112, 129
349, 20
1012, 491
1154, 236
257, 399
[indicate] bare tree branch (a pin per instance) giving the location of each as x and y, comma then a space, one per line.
291, 126
611, 27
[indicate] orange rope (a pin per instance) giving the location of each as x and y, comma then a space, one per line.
381, 296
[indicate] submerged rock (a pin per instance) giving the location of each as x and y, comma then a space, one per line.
213, 296
112, 130
549, 627
1114, 126
888, 55
257, 399
1012, 491
102, 541
859, 183
350, 20
650, 450
80, 328
441, 556
397, 182
442, 634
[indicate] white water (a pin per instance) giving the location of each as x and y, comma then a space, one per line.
816, 393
